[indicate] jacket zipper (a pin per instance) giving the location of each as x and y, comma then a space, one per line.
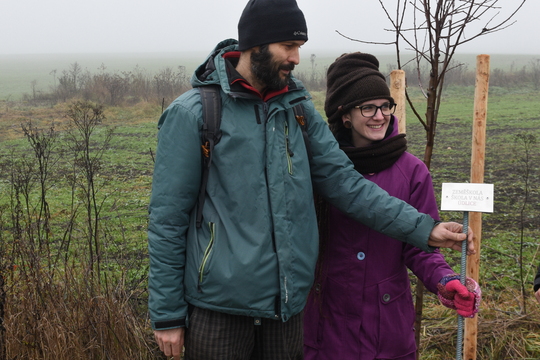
264, 107
207, 252
288, 148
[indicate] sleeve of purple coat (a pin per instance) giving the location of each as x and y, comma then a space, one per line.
429, 268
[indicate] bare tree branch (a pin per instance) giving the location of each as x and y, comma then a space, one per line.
434, 30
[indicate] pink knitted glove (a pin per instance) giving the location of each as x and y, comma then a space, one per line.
465, 299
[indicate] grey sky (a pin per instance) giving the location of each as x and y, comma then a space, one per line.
104, 26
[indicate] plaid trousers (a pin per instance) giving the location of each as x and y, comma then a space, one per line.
213, 335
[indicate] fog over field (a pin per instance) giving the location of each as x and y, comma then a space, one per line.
38, 38
143, 26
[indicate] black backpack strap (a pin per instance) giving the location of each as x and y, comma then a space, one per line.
302, 121
210, 136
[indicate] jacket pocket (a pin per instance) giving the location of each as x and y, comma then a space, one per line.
206, 255
396, 327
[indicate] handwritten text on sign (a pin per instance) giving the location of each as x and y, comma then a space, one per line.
467, 197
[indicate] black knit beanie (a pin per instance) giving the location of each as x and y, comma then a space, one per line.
269, 21
351, 80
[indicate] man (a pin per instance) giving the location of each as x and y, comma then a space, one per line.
236, 286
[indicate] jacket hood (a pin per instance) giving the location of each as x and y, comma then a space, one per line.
208, 72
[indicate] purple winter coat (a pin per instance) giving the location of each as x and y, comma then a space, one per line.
361, 306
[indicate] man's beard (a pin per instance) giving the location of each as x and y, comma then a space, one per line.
267, 71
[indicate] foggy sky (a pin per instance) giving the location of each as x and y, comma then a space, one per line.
139, 26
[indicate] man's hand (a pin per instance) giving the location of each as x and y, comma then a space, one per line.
450, 235
537, 295
171, 341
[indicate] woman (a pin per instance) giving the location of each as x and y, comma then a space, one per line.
361, 306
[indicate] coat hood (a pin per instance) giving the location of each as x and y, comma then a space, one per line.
208, 72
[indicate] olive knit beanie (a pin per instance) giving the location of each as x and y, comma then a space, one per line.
351, 80
269, 21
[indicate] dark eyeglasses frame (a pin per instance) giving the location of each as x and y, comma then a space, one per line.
391, 106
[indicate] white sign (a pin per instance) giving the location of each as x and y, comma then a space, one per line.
467, 197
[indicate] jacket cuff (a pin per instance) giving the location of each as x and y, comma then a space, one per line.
170, 324
419, 238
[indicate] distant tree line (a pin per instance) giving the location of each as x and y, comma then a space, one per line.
130, 87
113, 88
459, 74
527, 76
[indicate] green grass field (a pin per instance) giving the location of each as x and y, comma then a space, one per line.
507, 330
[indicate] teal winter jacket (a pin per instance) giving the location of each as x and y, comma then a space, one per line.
255, 253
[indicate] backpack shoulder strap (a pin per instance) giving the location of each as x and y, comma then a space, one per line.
210, 136
301, 118
211, 112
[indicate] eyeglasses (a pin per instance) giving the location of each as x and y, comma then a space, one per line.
370, 110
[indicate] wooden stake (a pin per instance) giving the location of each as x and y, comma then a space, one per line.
477, 176
398, 85
397, 91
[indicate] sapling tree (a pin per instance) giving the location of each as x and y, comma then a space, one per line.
525, 143
43, 144
86, 118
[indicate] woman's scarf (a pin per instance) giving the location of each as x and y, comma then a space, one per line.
377, 157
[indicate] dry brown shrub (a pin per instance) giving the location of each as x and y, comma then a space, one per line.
66, 320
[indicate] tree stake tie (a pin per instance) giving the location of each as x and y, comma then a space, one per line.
465, 197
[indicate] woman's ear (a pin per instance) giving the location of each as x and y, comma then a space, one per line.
346, 118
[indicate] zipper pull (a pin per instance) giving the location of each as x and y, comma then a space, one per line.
291, 154
287, 143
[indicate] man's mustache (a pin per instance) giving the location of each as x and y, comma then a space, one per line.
288, 67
